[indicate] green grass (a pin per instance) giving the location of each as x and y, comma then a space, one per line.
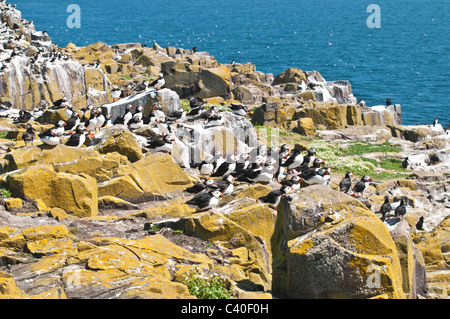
208, 286
5, 193
3, 134
361, 148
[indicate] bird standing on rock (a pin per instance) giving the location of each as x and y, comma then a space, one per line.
158, 83
226, 168
361, 186
29, 135
205, 201
385, 208
49, 137
273, 198
206, 167
78, 138
164, 145
345, 184
400, 211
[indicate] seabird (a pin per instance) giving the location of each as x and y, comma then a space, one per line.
49, 137
100, 120
345, 184
385, 208
273, 198
60, 102
265, 175
135, 123
59, 127
24, 117
78, 138
116, 92
294, 182
214, 120
435, 121
239, 109
72, 122
361, 186
195, 102
293, 161
405, 163
29, 134
206, 167
163, 127
69, 111
159, 82
319, 176
419, 225
227, 167
162, 145
201, 186
142, 87
205, 201
92, 122
225, 185
400, 211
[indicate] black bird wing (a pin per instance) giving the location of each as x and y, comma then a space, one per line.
200, 200
271, 197
359, 187
345, 185
45, 133
385, 208
197, 188
155, 143
309, 173
222, 169
400, 210
73, 140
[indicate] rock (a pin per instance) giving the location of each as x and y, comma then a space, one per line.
73, 193
328, 245
119, 139
291, 75
306, 126
13, 204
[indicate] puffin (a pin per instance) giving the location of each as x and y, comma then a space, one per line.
49, 137
316, 176
405, 163
195, 102
78, 138
29, 135
209, 112
294, 182
116, 93
69, 111
242, 163
157, 112
362, 185
227, 167
218, 159
225, 185
72, 122
196, 111
60, 102
24, 117
59, 127
205, 200
163, 145
142, 87
124, 118
100, 120
265, 175
435, 121
308, 159
400, 211
178, 115
345, 185
135, 122
206, 167
201, 186
419, 224
293, 161
386, 208
239, 109
158, 83
214, 120
273, 198
108, 121
163, 127
92, 122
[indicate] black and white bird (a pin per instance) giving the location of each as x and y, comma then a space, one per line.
29, 135
406, 162
308, 159
226, 168
214, 120
60, 103
206, 168
116, 92
266, 174
205, 200
319, 176
195, 102
142, 87
92, 122
159, 82
72, 122
78, 138
385, 208
50, 137
68, 111
100, 120
59, 127
208, 184
239, 109
400, 211
361, 186
225, 185
435, 121
163, 127
24, 117
164, 145
293, 161
345, 185
242, 163
419, 224
273, 198
135, 123
125, 117
294, 182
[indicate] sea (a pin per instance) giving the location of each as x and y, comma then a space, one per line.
386, 49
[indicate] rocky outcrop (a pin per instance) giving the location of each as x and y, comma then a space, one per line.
328, 245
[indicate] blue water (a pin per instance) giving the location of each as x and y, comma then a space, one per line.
407, 59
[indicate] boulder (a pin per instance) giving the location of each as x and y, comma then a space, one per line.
76, 194
291, 75
327, 244
119, 139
